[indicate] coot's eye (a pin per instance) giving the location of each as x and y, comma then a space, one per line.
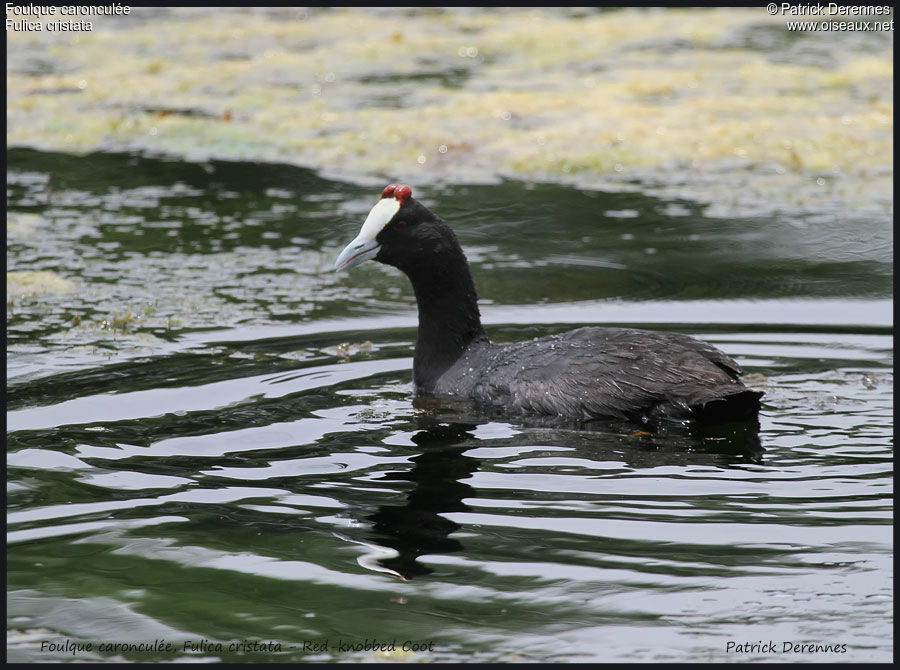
400, 225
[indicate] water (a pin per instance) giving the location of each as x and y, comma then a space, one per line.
212, 438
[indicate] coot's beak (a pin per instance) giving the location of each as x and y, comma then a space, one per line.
358, 251
365, 247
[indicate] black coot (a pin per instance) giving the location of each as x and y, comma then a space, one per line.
590, 373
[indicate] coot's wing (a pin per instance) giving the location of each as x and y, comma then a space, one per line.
708, 351
609, 373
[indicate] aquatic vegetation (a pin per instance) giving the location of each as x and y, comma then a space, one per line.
590, 98
24, 283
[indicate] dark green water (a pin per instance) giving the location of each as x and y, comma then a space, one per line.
212, 439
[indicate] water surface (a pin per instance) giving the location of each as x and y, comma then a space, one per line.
212, 437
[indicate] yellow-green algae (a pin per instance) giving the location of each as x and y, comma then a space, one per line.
30, 284
22, 224
547, 95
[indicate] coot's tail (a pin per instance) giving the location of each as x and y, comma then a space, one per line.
724, 403
706, 405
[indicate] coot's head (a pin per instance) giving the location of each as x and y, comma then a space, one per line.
399, 231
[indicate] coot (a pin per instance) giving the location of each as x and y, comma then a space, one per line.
590, 373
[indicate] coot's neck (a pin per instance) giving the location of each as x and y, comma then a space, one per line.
449, 320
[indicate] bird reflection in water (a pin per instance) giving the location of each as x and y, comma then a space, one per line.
399, 534
402, 533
